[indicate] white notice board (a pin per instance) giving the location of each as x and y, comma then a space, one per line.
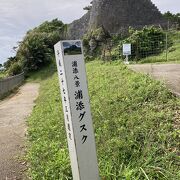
126, 49
76, 107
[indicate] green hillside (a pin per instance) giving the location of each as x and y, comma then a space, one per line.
134, 120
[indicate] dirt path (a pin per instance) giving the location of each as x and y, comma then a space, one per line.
13, 114
169, 73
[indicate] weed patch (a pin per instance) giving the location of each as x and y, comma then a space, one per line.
133, 119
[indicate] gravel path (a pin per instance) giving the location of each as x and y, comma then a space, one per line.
13, 114
169, 73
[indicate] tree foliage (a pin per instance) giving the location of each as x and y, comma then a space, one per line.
14, 69
34, 51
145, 42
173, 18
9, 62
37, 46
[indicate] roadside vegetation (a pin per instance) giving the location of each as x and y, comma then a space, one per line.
148, 45
2, 74
173, 52
136, 134
36, 48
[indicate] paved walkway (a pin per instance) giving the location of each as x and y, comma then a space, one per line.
169, 73
13, 114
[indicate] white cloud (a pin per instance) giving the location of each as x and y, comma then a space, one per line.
168, 5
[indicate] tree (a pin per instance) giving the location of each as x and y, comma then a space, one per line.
173, 18
14, 69
35, 50
34, 53
9, 62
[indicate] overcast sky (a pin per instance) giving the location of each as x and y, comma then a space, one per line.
18, 16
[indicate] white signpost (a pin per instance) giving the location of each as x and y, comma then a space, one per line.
76, 106
126, 52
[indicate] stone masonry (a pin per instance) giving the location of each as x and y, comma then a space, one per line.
116, 16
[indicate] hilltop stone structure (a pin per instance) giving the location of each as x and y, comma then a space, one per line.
115, 16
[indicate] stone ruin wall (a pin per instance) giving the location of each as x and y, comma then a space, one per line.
116, 16
78, 27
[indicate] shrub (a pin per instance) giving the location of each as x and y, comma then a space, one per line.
14, 69
89, 58
146, 42
37, 46
33, 53
9, 62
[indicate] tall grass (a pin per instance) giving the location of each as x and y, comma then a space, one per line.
134, 120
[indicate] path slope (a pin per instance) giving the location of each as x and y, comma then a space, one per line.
13, 114
169, 73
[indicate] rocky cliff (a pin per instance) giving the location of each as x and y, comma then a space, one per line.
78, 27
116, 16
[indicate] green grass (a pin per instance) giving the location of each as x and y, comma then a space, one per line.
135, 121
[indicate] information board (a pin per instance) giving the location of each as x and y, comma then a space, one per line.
126, 49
